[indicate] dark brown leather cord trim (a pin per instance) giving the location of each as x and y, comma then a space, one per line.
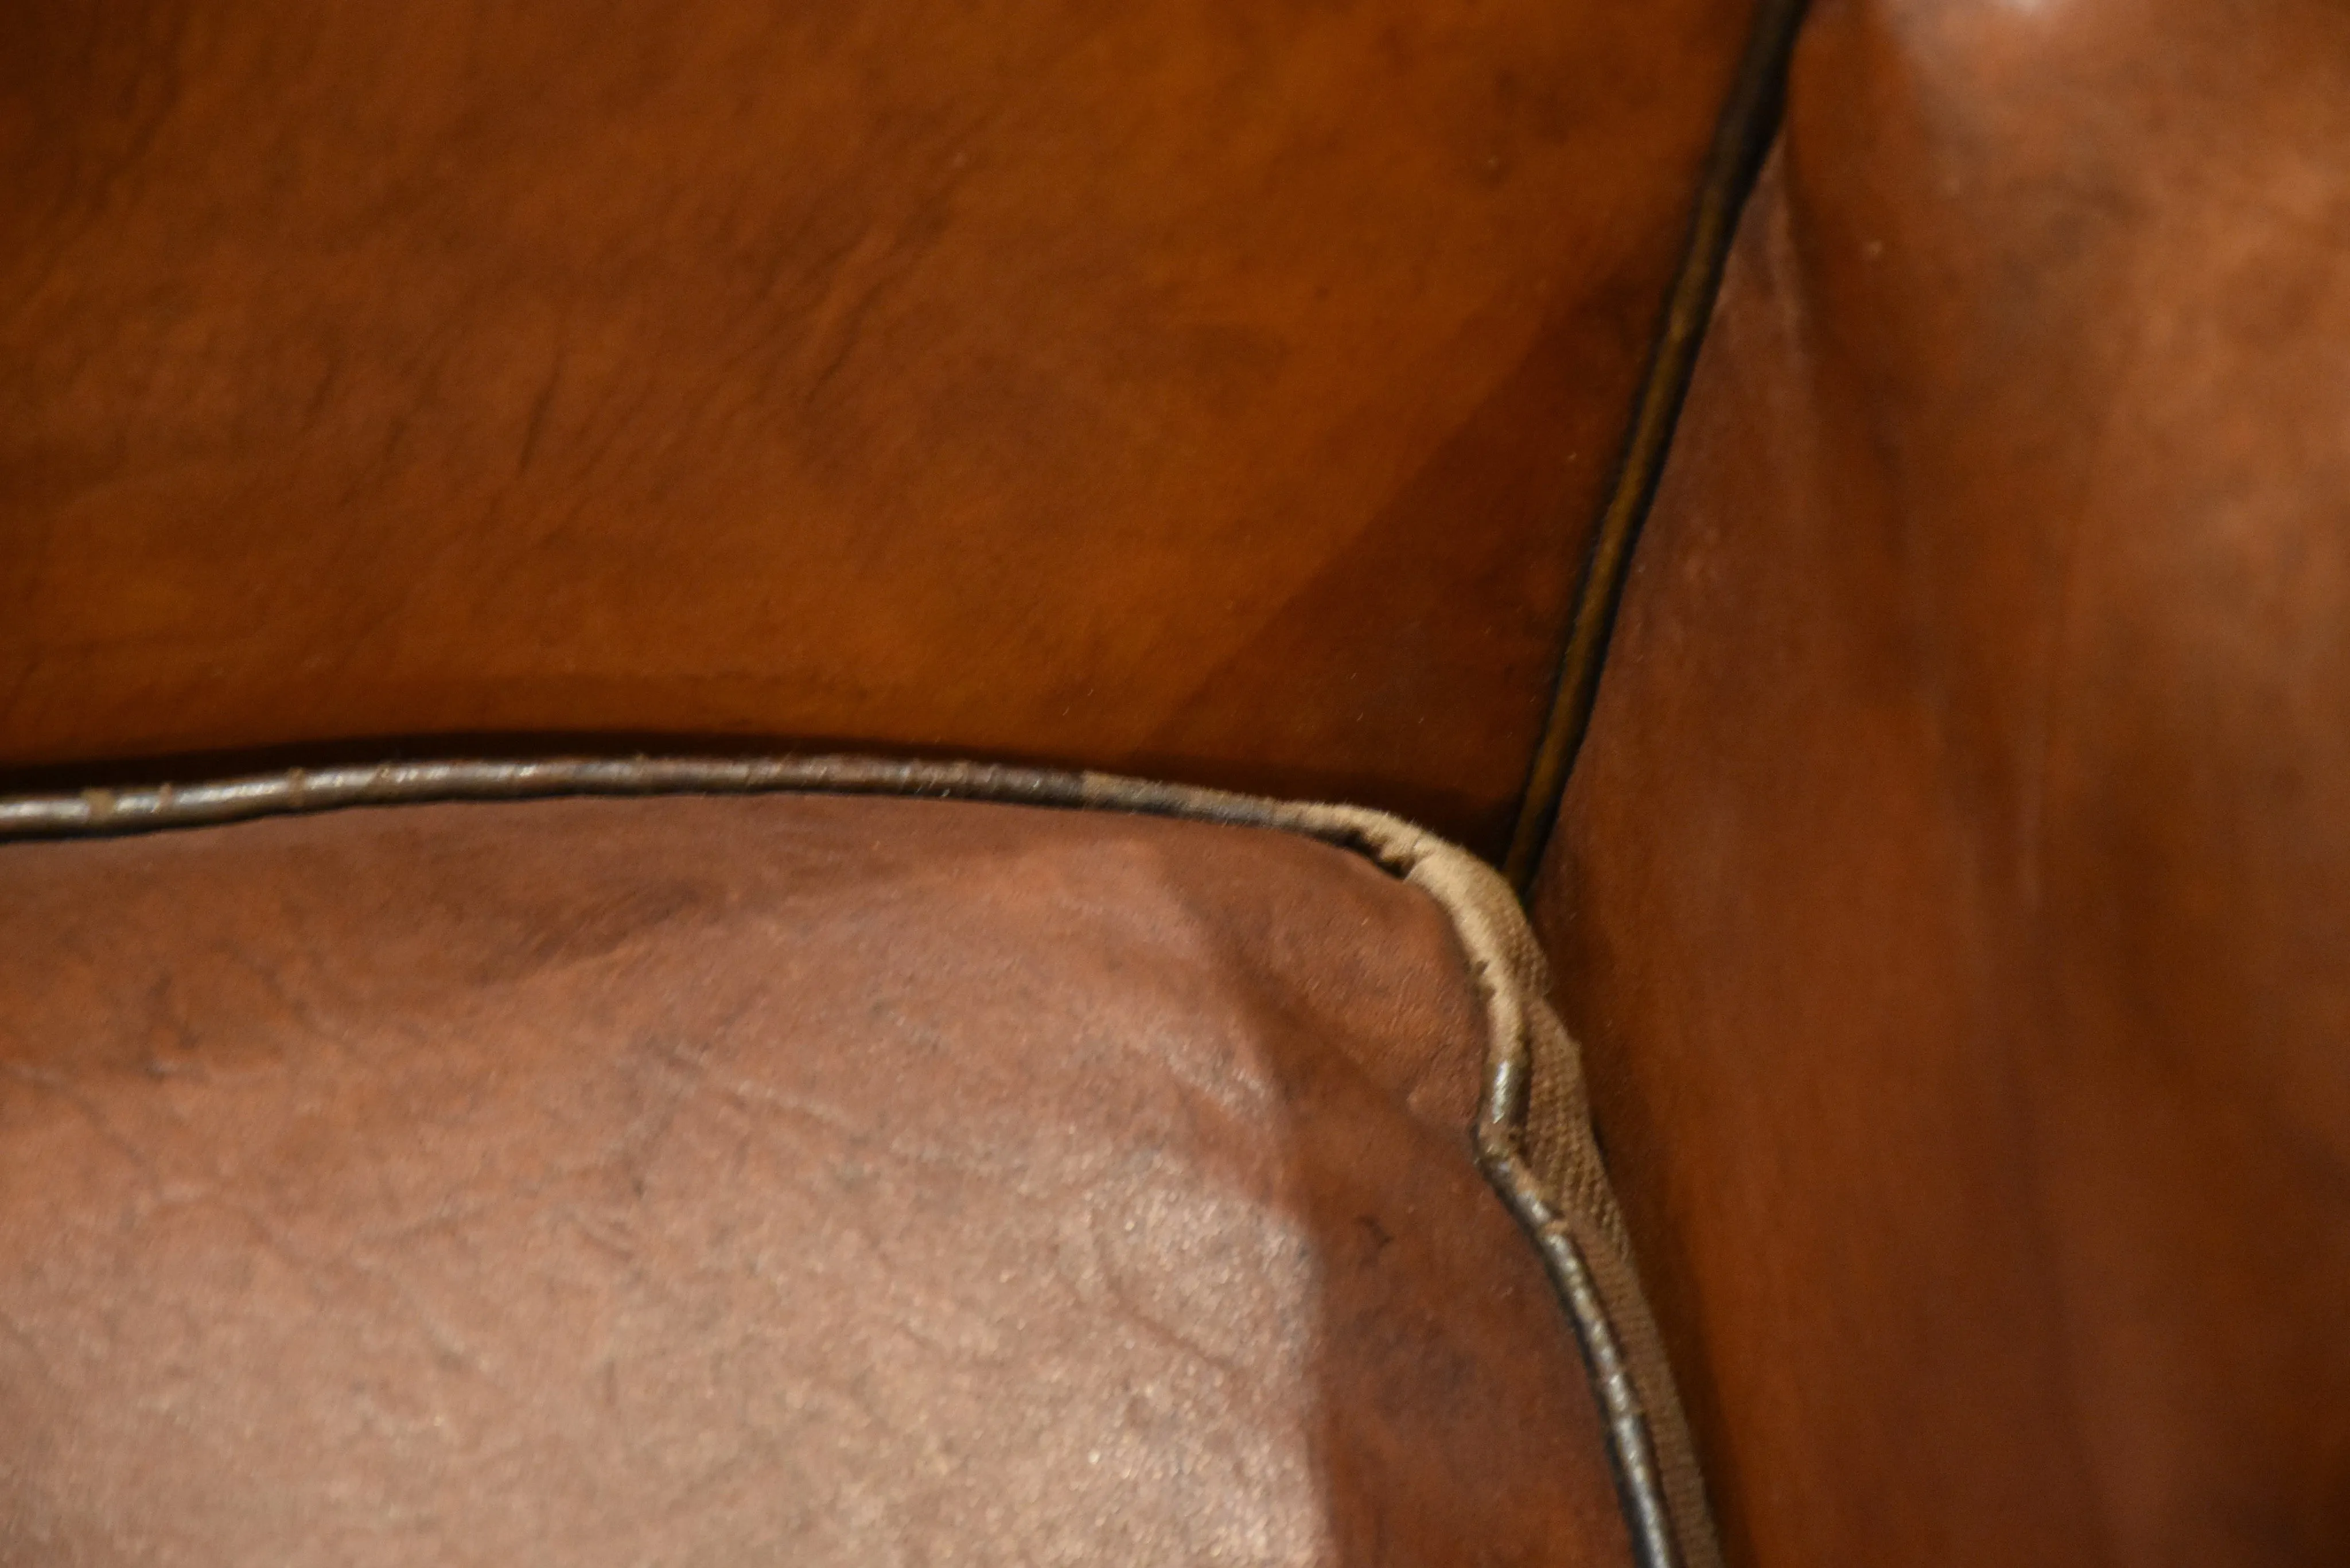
1534, 1135
1749, 121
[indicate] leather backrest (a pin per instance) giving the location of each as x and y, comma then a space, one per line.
1209, 390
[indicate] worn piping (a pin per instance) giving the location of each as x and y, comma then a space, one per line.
1742, 135
1533, 1134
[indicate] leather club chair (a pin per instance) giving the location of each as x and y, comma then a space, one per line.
662, 673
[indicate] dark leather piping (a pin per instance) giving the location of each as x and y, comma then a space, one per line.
1640, 1485
1668, 1524
1749, 121
101, 811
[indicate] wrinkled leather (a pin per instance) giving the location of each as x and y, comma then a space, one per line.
1953, 895
795, 1179
1209, 390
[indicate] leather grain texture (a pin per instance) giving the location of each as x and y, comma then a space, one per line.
1953, 896
701, 1179
1216, 391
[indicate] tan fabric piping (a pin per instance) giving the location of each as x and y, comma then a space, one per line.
1533, 1132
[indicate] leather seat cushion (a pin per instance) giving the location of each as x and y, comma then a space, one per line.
797, 1177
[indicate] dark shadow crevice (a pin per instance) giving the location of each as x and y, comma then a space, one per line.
1749, 124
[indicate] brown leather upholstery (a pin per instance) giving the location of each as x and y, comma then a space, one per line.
1954, 893
1212, 390
800, 1180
